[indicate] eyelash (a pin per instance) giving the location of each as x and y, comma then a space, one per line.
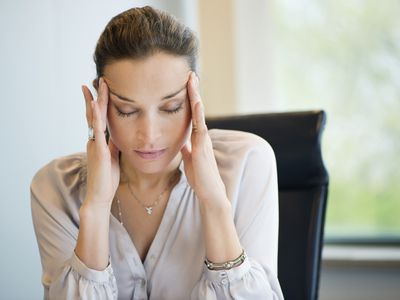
125, 115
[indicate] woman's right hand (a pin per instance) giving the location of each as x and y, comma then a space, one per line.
102, 160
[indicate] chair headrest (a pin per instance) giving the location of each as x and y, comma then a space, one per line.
295, 138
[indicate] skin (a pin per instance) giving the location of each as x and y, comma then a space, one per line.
155, 122
152, 121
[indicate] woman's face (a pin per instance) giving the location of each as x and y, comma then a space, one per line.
148, 110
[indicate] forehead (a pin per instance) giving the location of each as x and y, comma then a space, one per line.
154, 76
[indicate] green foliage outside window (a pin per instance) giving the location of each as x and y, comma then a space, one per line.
344, 57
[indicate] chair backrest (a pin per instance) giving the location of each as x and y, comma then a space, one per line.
303, 188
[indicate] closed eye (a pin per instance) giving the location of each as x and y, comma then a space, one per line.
125, 115
175, 110
168, 111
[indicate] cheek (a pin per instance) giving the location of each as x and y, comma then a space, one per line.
187, 114
177, 120
111, 121
184, 120
115, 122
175, 127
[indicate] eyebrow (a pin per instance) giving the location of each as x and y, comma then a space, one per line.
163, 98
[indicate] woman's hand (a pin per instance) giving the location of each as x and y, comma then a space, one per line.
102, 159
200, 165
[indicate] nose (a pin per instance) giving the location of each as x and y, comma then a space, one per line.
148, 131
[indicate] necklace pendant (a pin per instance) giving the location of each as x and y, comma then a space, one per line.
149, 210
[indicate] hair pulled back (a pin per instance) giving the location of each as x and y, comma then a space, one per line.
140, 32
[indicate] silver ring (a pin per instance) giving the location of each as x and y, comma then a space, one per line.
91, 134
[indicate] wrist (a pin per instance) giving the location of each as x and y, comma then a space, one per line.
93, 238
226, 265
92, 209
216, 206
220, 236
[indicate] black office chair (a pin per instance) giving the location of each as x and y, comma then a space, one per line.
303, 189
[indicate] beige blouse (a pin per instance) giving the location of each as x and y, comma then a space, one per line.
174, 266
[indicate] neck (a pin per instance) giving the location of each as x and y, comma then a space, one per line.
145, 181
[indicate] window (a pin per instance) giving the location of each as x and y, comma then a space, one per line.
344, 57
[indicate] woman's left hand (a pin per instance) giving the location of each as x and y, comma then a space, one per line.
200, 165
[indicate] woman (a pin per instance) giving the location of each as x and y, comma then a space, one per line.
159, 207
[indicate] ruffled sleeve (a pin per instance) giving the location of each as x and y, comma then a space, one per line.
249, 281
256, 221
56, 195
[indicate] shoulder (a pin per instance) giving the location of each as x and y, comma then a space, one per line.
60, 178
239, 145
243, 159
61, 170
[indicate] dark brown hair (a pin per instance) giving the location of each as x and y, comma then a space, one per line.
140, 32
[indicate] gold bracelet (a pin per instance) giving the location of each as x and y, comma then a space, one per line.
226, 265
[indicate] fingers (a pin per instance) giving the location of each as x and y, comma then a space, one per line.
194, 97
198, 118
103, 101
97, 123
88, 99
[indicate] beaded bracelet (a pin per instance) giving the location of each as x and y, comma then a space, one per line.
226, 265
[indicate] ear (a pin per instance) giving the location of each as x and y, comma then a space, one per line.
95, 84
107, 134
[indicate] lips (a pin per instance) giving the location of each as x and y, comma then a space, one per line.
150, 154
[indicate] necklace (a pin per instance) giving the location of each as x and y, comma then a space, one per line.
149, 208
119, 210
